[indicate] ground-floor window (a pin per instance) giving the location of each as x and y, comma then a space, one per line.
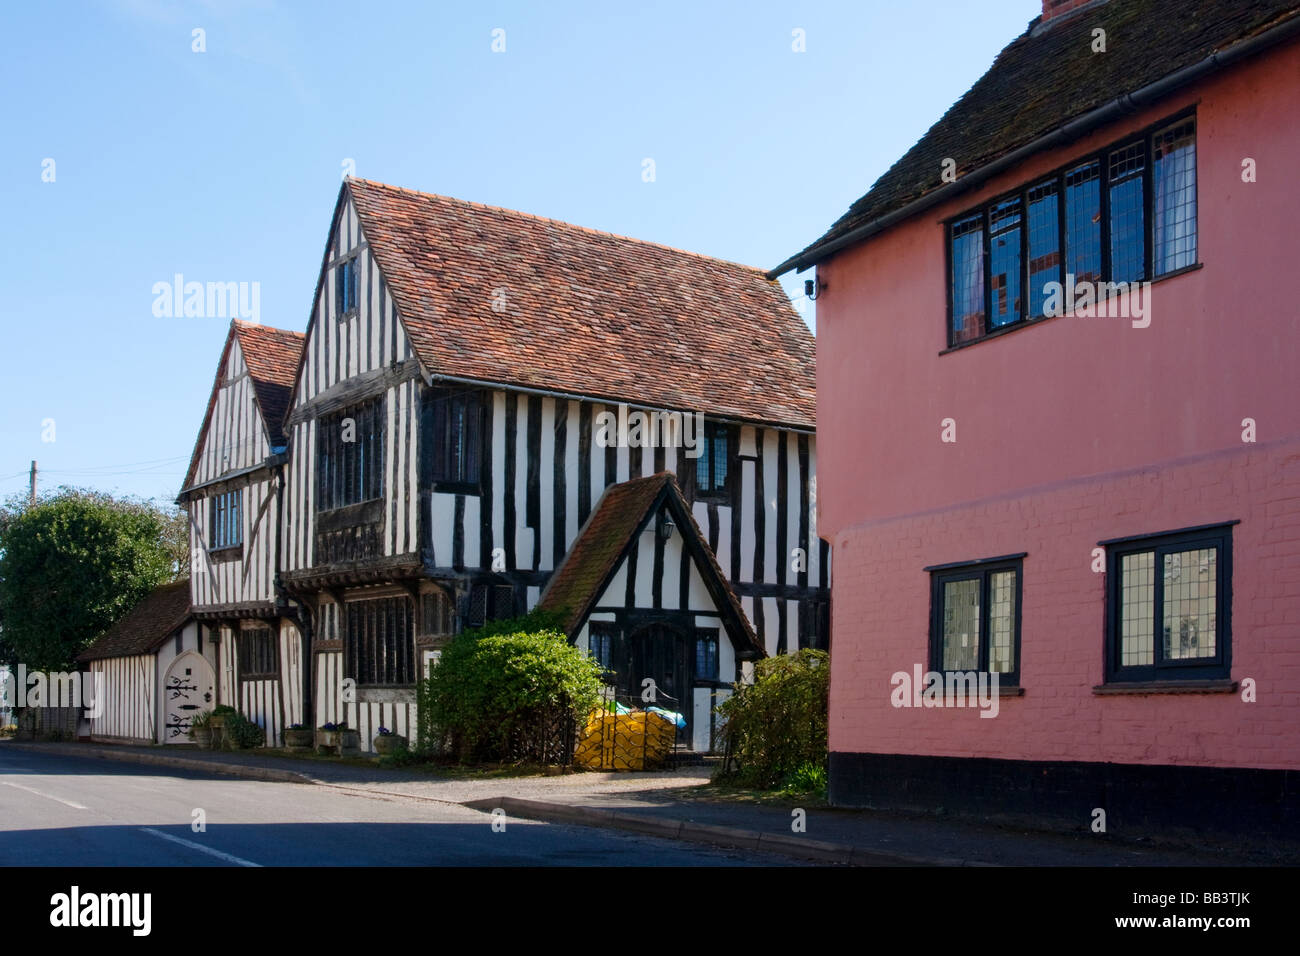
1167, 606
490, 602
259, 654
379, 642
975, 617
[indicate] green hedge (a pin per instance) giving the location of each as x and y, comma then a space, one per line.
498, 691
776, 727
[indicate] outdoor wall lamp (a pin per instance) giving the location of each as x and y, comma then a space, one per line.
666, 528
812, 288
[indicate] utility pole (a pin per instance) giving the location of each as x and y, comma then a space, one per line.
31, 495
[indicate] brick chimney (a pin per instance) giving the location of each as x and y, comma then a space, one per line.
1053, 9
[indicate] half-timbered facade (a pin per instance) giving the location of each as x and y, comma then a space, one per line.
233, 492
472, 382
152, 671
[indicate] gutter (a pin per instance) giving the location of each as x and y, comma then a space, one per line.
433, 378
1121, 106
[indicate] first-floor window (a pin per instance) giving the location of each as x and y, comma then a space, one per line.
350, 456
713, 467
379, 641
226, 519
1167, 606
454, 433
259, 654
975, 618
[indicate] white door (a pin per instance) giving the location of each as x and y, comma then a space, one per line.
189, 688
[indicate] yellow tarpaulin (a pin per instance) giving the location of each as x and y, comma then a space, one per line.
632, 741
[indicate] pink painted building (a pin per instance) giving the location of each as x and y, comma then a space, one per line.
1100, 504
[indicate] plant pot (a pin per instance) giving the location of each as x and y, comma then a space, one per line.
217, 729
349, 742
298, 739
387, 743
202, 737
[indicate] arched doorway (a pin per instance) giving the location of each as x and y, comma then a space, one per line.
662, 654
188, 688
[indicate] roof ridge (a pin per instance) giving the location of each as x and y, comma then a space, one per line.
558, 222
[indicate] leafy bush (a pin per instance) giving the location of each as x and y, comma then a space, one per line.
500, 689
242, 733
8, 730
73, 564
776, 727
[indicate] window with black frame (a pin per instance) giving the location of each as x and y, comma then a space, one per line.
1126, 214
601, 636
713, 467
350, 456
454, 427
345, 288
259, 654
379, 642
975, 618
1168, 600
226, 525
706, 654
490, 602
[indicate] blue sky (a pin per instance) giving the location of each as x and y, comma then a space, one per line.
224, 165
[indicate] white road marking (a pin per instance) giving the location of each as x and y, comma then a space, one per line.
47, 796
238, 861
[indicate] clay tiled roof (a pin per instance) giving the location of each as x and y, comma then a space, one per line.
1048, 77
601, 545
145, 626
272, 357
586, 312
597, 550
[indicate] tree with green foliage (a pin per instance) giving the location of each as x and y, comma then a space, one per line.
776, 727
75, 562
497, 690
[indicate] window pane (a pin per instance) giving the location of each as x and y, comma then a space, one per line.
1137, 609
702, 468
1174, 202
1044, 244
961, 615
1002, 621
1083, 222
1190, 602
1004, 262
720, 458
1127, 235
968, 279
706, 658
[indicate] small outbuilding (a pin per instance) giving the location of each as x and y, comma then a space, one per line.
154, 671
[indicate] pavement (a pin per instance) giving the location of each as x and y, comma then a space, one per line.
670, 805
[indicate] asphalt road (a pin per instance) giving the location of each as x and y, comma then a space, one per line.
75, 812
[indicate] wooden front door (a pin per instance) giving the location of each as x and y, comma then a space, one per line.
661, 654
189, 688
